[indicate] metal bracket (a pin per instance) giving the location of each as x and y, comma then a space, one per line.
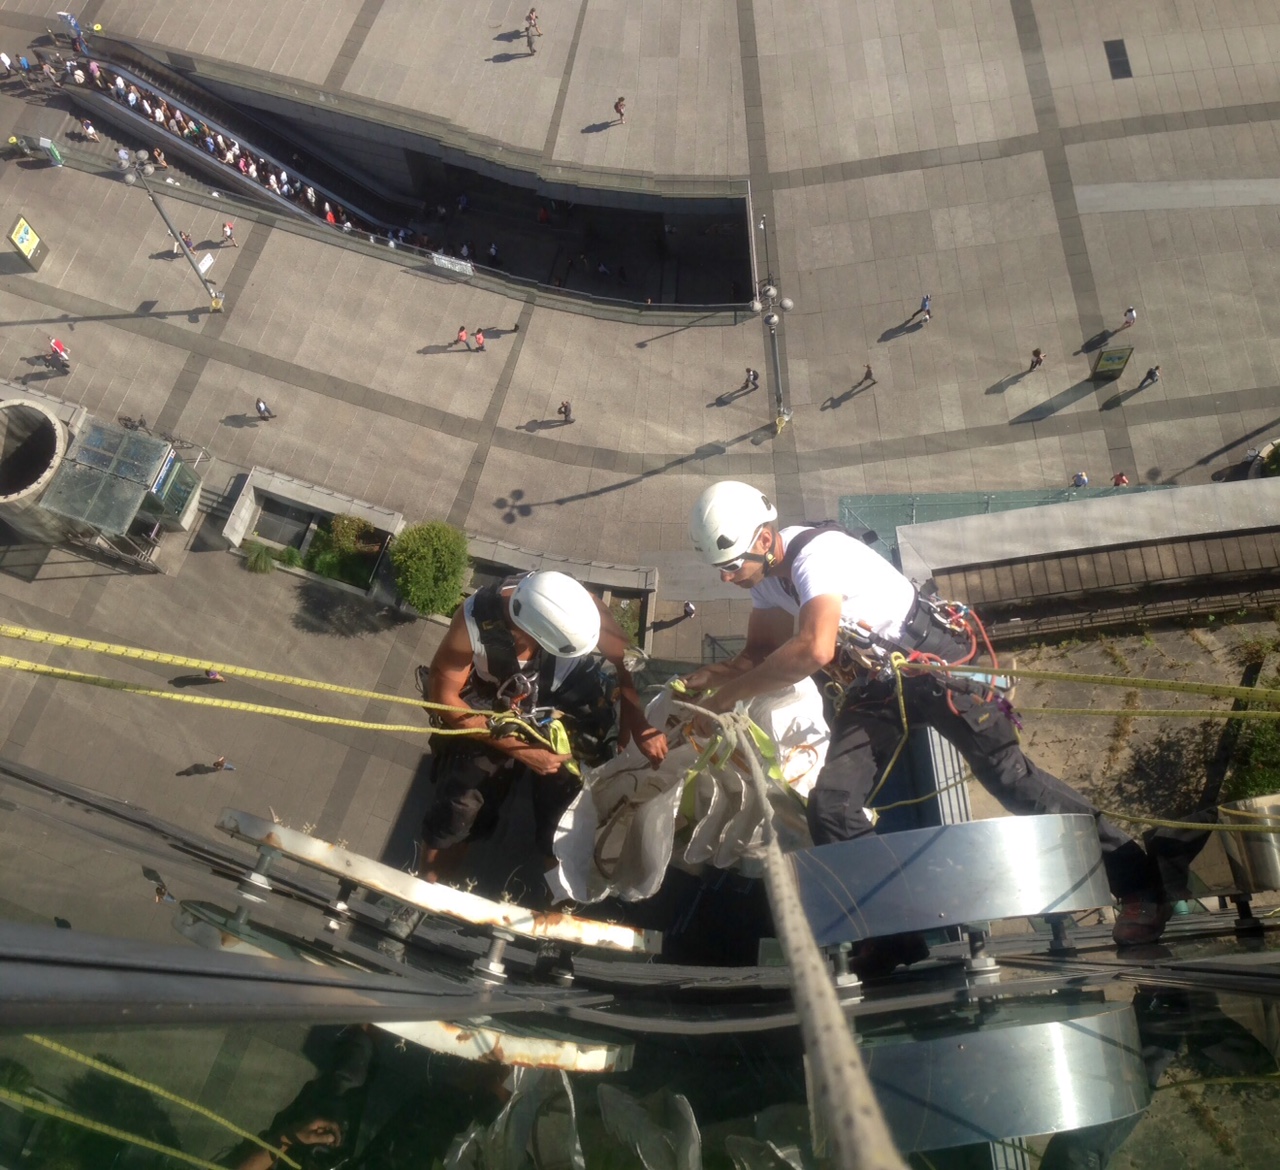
491, 968
254, 886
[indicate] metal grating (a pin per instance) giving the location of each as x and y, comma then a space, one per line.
1118, 60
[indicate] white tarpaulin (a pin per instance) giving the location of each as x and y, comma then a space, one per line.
617, 837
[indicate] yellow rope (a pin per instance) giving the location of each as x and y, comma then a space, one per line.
133, 1139
1150, 713
129, 1079
1161, 823
1217, 690
227, 704
897, 661
45, 637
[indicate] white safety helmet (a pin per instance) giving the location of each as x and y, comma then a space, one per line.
726, 519
557, 613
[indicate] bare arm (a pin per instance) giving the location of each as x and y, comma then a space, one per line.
450, 670
767, 630
786, 660
631, 721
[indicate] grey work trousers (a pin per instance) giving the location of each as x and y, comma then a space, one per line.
867, 729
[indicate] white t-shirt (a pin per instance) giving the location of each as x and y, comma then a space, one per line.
873, 591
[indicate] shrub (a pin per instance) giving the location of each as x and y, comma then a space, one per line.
1255, 770
289, 556
430, 562
258, 558
350, 533
1271, 464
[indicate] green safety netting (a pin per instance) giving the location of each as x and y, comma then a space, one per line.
886, 513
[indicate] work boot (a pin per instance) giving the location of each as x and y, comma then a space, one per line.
1140, 920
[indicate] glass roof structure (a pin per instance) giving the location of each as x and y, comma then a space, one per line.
106, 475
884, 514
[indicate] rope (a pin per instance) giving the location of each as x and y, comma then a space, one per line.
857, 1136
897, 661
133, 1139
1150, 713
129, 1079
45, 637
1217, 690
227, 704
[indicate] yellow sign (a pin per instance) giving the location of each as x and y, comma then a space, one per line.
24, 237
1111, 363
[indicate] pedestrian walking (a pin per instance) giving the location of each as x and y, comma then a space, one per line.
1080, 480
1152, 375
7, 64
926, 304
528, 41
1037, 359
229, 234
264, 411
531, 22
690, 609
187, 241
1130, 316
867, 376
89, 132
211, 674
565, 411
461, 339
162, 894
751, 381
222, 764
1119, 479
620, 108
479, 340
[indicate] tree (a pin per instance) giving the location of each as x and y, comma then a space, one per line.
430, 562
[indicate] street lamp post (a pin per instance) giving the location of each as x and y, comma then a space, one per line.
136, 170
768, 261
769, 301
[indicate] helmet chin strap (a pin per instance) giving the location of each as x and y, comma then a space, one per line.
770, 559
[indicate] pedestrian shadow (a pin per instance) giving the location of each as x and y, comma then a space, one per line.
1059, 401
731, 396
534, 425
193, 680
164, 254
838, 400
240, 421
667, 623
910, 325
198, 770
503, 58
1123, 397
1006, 383
514, 34
1097, 341
514, 505
596, 127
430, 349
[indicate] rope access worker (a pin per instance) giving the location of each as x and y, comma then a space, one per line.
524, 646
855, 608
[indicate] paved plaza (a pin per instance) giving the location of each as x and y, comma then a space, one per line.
977, 151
